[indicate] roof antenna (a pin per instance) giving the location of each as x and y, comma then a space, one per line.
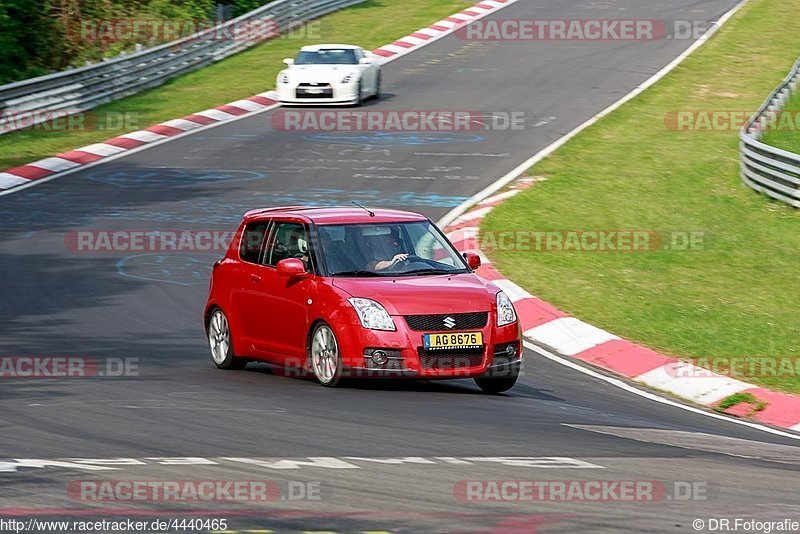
371, 213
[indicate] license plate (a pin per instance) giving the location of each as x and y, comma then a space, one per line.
455, 340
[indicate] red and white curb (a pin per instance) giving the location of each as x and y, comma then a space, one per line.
75, 159
439, 29
550, 328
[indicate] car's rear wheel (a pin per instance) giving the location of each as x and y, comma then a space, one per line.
326, 362
220, 342
497, 384
378, 86
359, 98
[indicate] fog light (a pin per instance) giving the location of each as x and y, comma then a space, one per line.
511, 350
379, 357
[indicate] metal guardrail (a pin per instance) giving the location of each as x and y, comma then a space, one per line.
765, 168
29, 102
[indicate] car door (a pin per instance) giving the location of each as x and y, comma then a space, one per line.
281, 305
244, 290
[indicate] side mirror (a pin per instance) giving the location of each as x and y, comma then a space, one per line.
288, 61
291, 268
473, 260
365, 61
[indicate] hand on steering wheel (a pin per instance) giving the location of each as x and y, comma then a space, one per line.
399, 258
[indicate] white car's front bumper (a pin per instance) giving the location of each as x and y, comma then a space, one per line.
334, 94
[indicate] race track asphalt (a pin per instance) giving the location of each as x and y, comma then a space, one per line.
147, 308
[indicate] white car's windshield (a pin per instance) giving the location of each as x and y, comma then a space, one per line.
392, 249
328, 56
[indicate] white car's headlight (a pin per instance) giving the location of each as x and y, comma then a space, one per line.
372, 315
505, 310
348, 78
283, 78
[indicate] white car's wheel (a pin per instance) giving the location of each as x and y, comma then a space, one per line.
378, 85
359, 98
325, 360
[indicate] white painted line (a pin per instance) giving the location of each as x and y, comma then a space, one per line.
215, 114
11, 180
416, 41
652, 396
182, 124
101, 149
428, 31
55, 164
569, 335
514, 292
144, 136
248, 105
446, 23
501, 196
394, 48
536, 158
692, 382
479, 213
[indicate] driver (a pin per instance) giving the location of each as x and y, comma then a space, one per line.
382, 247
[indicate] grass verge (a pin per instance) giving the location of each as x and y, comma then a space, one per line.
734, 295
788, 137
371, 24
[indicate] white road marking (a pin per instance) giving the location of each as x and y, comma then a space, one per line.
319, 462
652, 396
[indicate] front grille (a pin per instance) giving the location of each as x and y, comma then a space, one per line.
451, 359
314, 90
436, 323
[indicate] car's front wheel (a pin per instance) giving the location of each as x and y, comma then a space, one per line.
326, 361
220, 342
497, 384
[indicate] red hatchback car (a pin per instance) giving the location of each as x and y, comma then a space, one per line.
352, 292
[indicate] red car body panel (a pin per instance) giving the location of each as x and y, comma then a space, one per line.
271, 316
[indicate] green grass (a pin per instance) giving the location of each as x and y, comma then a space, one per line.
738, 398
737, 296
371, 24
787, 137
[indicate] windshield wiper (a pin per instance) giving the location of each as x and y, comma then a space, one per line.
431, 270
357, 273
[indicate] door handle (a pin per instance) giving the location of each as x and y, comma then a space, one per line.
255, 278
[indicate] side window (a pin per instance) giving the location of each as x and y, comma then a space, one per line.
289, 240
252, 241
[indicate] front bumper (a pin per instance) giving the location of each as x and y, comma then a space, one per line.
408, 359
336, 94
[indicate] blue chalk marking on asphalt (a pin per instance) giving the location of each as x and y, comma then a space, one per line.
373, 197
180, 269
383, 139
134, 177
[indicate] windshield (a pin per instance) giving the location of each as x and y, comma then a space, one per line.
394, 249
328, 56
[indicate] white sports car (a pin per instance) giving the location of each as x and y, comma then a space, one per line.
330, 74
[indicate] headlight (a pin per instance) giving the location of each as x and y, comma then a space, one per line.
283, 78
348, 78
505, 310
372, 315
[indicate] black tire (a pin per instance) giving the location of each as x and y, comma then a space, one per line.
220, 342
379, 86
359, 99
497, 384
328, 368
